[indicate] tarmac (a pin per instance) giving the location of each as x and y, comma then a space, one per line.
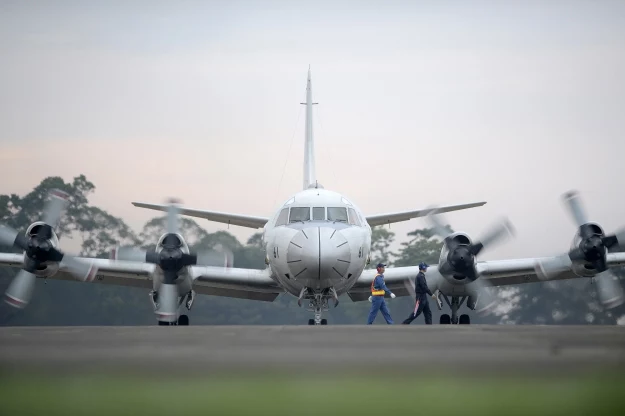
395, 348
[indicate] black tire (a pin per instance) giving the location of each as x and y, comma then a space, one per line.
465, 320
311, 322
163, 323
183, 320
324, 322
445, 319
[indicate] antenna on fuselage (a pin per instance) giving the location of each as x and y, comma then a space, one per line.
310, 176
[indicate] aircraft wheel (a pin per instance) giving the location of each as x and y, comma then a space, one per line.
163, 323
445, 319
311, 322
465, 320
324, 322
183, 320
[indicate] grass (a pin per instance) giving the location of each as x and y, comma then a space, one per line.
300, 395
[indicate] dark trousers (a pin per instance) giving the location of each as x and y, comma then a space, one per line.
422, 304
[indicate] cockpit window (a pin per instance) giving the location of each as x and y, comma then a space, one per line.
338, 214
353, 218
284, 214
319, 213
299, 214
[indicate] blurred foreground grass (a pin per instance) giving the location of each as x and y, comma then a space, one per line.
362, 395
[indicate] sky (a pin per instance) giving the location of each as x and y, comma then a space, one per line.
420, 103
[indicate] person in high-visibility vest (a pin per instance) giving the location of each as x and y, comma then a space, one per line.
378, 289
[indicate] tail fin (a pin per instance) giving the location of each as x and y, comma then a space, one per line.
310, 177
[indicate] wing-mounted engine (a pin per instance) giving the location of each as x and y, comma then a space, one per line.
589, 249
587, 256
42, 256
48, 267
458, 259
172, 258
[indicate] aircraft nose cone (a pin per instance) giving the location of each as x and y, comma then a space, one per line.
335, 255
318, 257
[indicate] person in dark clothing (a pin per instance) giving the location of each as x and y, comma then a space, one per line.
422, 303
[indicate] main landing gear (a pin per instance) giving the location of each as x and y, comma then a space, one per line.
318, 303
454, 305
183, 320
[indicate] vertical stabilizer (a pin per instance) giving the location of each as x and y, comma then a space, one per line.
310, 177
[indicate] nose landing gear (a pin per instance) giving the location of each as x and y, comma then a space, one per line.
318, 303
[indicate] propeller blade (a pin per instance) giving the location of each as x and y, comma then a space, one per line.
619, 236
8, 236
189, 259
152, 256
434, 218
172, 217
487, 301
573, 201
498, 232
128, 254
20, 290
214, 259
81, 270
609, 289
550, 267
167, 303
55, 206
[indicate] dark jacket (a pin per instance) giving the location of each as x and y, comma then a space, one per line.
421, 286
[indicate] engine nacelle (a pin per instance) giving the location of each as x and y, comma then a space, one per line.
174, 239
582, 267
45, 269
455, 259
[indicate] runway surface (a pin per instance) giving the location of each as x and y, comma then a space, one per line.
244, 348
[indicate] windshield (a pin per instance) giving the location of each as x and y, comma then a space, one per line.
299, 214
338, 214
319, 213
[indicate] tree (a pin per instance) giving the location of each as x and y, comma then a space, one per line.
563, 302
156, 227
381, 240
423, 246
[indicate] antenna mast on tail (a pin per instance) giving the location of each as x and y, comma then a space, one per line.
310, 177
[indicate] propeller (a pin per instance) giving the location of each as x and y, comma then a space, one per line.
592, 249
39, 249
462, 254
171, 259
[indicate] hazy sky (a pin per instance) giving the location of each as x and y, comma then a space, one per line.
420, 103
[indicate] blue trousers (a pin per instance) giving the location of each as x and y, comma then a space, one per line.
378, 304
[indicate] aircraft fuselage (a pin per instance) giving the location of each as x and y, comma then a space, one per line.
318, 240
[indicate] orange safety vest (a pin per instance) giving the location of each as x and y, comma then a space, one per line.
376, 292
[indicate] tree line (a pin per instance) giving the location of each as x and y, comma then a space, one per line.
73, 303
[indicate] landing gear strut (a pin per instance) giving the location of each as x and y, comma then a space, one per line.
183, 320
454, 305
318, 303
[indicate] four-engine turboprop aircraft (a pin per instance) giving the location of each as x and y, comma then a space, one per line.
317, 247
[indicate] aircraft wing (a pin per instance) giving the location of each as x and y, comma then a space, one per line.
400, 280
218, 281
381, 219
223, 217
